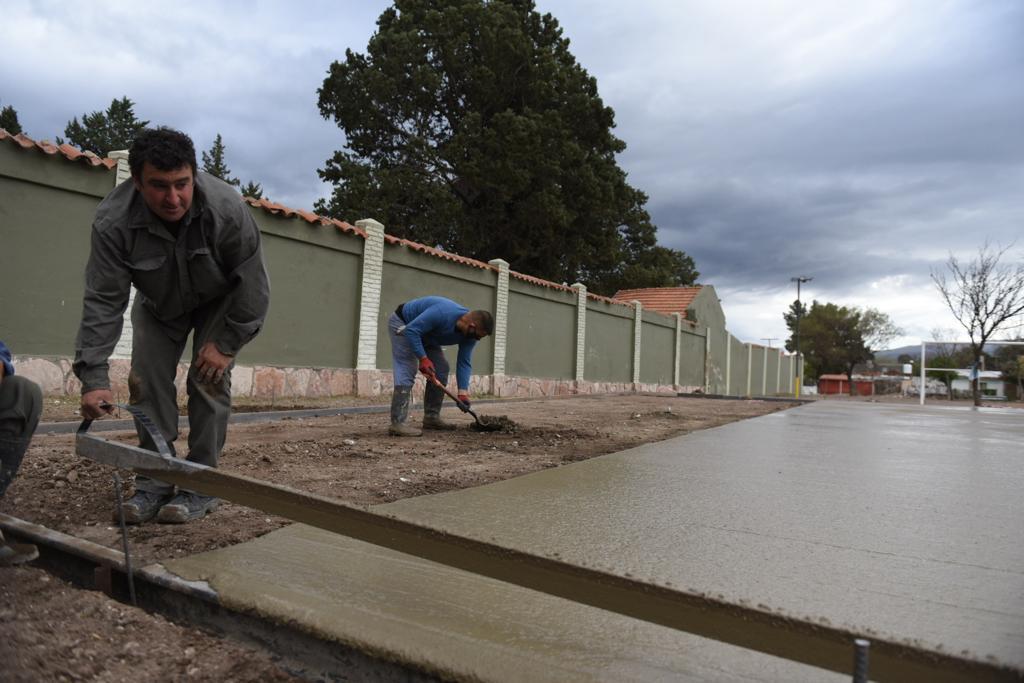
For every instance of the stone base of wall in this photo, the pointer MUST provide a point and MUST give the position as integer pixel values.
(55, 378)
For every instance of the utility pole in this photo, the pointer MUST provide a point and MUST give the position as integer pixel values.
(769, 340)
(799, 280)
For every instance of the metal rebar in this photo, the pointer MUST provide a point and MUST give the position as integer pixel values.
(860, 660)
(124, 539)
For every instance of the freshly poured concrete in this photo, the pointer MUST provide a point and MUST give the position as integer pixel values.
(900, 521)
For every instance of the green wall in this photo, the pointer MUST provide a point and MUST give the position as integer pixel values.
(44, 233)
(757, 377)
(657, 344)
(716, 371)
(691, 357)
(738, 367)
(609, 343)
(315, 276)
(541, 332)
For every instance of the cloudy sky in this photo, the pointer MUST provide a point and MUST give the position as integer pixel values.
(856, 143)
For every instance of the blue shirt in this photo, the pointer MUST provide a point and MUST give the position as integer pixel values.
(5, 358)
(430, 321)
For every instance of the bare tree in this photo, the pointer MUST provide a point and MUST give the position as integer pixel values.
(983, 295)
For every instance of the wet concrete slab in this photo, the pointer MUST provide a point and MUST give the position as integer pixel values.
(898, 521)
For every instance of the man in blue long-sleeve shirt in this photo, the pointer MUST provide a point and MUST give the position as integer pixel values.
(21, 403)
(419, 329)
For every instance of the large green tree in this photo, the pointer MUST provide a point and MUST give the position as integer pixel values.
(9, 120)
(215, 164)
(835, 339)
(105, 132)
(470, 125)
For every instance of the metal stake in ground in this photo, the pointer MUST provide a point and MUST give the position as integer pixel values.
(860, 660)
(124, 539)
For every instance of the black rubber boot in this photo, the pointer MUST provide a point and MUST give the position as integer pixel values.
(433, 397)
(400, 400)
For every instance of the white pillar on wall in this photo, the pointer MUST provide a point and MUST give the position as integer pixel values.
(500, 316)
(679, 339)
(764, 373)
(369, 294)
(790, 389)
(778, 374)
(750, 363)
(638, 321)
(581, 330)
(707, 360)
(728, 363)
(123, 349)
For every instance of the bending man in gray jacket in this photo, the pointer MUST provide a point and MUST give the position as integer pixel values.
(188, 243)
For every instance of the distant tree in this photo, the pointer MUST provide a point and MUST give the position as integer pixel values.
(836, 338)
(104, 132)
(905, 358)
(215, 165)
(798, 311)
(1010, 362)
(9, 120)
(878, 328)
(945, 356)
(983, 295)
(252, 189)
(470, 125)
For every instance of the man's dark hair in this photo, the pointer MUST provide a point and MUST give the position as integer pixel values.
(164, 148)
(484, 321)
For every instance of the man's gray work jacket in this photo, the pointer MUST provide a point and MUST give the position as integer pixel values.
(216, 254)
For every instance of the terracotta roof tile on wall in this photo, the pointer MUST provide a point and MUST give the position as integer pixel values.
(67, 151)
(439, 253)
(312, 218)
(667, 300)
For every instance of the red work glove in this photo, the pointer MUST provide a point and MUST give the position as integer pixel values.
(464, 400)
(427, 367)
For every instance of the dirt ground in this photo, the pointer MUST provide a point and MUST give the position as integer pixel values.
(52, 631)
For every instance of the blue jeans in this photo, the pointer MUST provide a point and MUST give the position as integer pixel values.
(404, 361)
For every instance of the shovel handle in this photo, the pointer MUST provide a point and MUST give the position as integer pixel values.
(462, 406)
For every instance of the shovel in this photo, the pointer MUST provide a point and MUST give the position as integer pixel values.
(485, 425)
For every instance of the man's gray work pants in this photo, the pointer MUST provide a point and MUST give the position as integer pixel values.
(157, 347)
(21, 404)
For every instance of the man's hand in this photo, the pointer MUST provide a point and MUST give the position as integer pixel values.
(464, 400)
(211, 364)
(427, 367)
(97, 403)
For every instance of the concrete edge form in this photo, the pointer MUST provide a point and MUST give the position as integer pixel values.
(95, 567)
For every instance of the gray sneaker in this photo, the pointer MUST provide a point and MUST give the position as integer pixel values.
(187, 506)
(142, 507)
